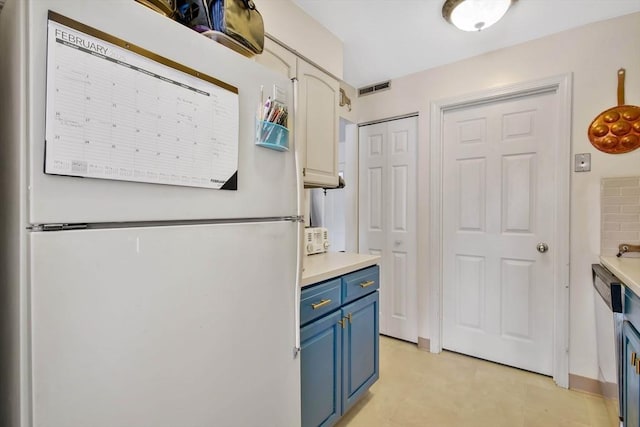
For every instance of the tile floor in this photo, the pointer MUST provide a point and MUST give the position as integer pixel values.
(420, 389)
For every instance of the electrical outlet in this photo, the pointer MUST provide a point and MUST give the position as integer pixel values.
(583, 162)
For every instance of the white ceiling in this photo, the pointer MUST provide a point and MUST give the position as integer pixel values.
(385, 39)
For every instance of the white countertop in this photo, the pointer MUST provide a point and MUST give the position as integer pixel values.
(625, 269)
(319, 267)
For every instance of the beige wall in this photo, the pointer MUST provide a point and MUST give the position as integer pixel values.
(285, 21)
(593, 54)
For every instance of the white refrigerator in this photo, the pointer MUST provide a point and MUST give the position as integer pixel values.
(137, 304)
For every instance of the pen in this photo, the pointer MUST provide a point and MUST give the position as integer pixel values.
(267, 106)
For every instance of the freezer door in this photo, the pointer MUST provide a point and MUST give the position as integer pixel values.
(164, 327)
(266, 178)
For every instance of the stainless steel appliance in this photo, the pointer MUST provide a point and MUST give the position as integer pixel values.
(609, 318)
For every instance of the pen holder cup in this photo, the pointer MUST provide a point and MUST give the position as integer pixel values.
(271, 135)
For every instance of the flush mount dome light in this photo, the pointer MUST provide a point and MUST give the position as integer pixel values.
(474, 15)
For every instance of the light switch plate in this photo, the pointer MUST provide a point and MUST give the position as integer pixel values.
(583, 162)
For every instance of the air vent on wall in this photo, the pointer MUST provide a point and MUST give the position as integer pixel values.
(368, 90)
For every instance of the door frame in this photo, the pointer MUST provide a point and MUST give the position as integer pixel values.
(560, 85)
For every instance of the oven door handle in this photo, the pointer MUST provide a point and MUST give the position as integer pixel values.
(604, 274)
(608, 287)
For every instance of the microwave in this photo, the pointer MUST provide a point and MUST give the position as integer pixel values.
(316, 240)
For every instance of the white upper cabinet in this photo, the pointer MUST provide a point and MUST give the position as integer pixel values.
(316, 114)
(317, 125)
(278, 58)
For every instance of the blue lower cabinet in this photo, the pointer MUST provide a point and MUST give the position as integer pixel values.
(630, 375)
(360, 353)
(321, 371)
(340, 351)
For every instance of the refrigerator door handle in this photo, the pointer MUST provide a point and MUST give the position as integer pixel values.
(300, 214)
(300, 267)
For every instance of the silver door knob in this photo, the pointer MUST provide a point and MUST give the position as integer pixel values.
(542, 247)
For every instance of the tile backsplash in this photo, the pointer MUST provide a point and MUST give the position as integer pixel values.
(620, 213)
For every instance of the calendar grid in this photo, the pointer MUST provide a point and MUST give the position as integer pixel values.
(115, 114)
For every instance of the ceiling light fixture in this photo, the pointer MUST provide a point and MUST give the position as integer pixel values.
(474, 15)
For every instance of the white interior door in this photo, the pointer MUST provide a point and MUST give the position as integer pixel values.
(498, 204)
(165, 326)
(387, 219)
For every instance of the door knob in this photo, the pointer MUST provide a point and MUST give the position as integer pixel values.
(542, 247)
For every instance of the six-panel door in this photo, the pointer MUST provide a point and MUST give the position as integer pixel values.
(387, 194)
(498, 203)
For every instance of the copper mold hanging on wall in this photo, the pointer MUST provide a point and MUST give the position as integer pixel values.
(617, 130)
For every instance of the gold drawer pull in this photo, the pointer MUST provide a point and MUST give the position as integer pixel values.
(322, 303)
(634, 357)
(367, 283)
(637, 366)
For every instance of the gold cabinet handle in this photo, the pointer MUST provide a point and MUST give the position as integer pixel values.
(342, 322)
(322, 303)
(637, 366)
(634, 358)
(367, 283)
(350, 317)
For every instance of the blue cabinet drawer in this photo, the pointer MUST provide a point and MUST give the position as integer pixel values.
(318, 300)
(360, 283)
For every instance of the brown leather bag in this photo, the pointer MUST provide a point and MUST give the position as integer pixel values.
(240, 20)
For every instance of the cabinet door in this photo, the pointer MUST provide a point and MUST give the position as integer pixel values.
(360, 361)
(631, 378)
(317, 125)
(321, 365)
(277, 58)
